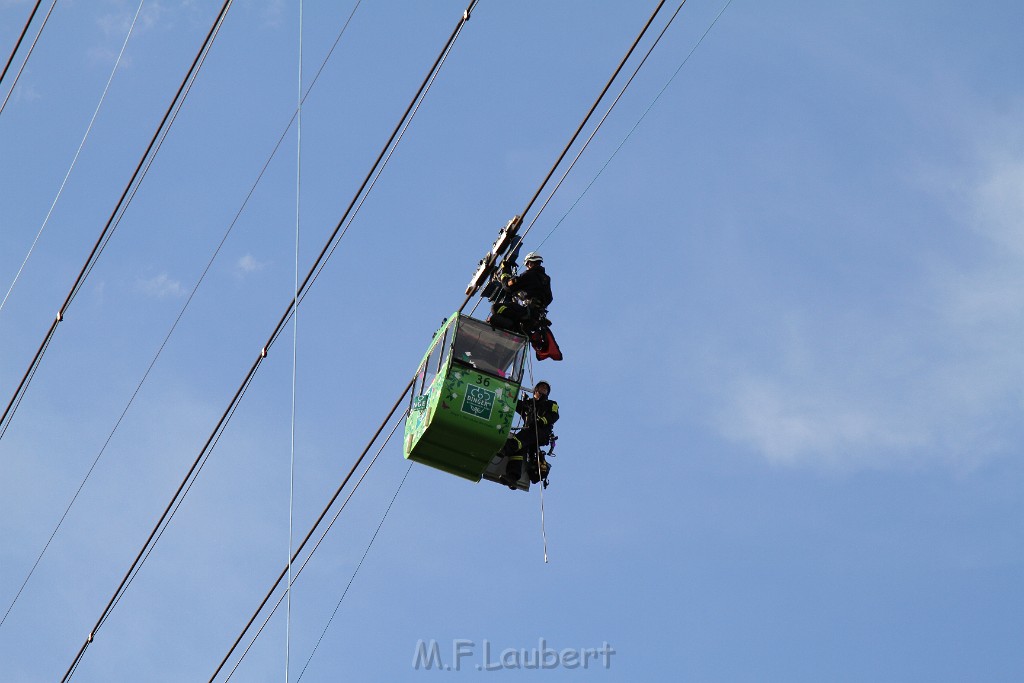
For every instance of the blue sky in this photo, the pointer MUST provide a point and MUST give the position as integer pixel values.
(790, 305)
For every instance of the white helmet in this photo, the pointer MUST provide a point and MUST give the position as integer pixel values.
(533, 257)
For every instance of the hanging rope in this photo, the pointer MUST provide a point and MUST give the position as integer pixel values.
(295, 358)
(543, 531)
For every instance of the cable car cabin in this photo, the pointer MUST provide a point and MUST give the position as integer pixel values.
(464, 399)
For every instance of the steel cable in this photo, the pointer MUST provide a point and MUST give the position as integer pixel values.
(107, 232)
(21, 37)
(286, 316)
(576, 134)
(31, 48)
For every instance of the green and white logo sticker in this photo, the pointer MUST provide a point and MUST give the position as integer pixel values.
(479, 402)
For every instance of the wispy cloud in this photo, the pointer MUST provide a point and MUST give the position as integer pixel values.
(161, 287)
(114, 28)
(932, 377)
(247, 264)
(25, 92)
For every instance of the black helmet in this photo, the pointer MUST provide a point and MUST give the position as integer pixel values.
(547, 387)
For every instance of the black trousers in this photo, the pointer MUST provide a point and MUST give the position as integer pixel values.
(517, 447)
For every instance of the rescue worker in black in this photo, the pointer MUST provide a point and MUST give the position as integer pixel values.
(539, 414)
(526, 297)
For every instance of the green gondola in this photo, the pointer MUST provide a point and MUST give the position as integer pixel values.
(464, 398)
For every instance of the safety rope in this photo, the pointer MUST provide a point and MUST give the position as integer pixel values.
(295, 357)
(543, 530)
(74, 161)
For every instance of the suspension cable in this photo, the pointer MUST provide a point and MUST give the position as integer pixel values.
(177, 320)
(579, 129)
(412, 381)
(21, 37)
(409, 387)
(593, 107)
(122, 205)
(328, 250)
(604, 117)
(286, 316)
(31, 48)
(639, 120)
(74, 160)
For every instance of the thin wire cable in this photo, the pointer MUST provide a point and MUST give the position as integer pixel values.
(295, 359)
(107, 232)
(412, 381)
(205, 451)
(409, 386)
(24, 62)
(593, 107)
(309, 556)
(74, 161)
(356, 571)
(21, 37)
(104, 237)
(174, 325)
(430, 82)
(639, 121)
(164, 528)
(35, 368)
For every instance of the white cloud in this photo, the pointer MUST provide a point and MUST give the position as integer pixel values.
(162, 286)
(935, 376)
(248, 264)
(795, 422)
(24, 92)
(998, 200)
